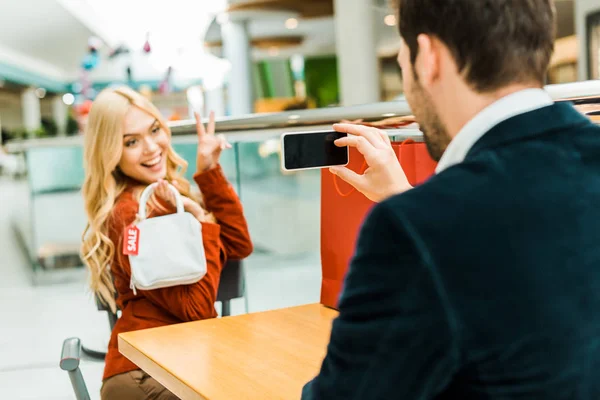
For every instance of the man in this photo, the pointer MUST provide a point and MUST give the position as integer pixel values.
(484, 282)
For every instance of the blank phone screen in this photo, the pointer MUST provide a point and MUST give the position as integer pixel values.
(313, 150)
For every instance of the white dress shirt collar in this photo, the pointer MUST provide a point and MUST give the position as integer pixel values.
(507, 107)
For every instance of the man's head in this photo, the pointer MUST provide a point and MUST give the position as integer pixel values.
(457, 56)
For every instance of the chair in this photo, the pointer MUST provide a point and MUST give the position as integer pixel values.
(112, 320)
(69, 361)
(231, 287)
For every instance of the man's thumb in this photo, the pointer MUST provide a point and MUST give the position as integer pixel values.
(349, 177)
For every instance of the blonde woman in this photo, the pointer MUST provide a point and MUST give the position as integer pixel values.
(128, 146)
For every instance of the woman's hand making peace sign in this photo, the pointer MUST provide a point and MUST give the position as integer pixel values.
(209, 144)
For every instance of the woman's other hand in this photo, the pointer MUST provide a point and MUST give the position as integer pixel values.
(164, 192)
(210, 145)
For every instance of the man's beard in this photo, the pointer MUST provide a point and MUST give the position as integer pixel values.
(434, 132)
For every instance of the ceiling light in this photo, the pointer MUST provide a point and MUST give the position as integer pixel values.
(68, 99)
(291, 23)
(390, 20)
(40, 93)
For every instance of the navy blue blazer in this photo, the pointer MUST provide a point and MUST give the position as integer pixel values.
(484, 282)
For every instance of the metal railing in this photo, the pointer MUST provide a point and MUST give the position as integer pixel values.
(262, 126)
(270, 196)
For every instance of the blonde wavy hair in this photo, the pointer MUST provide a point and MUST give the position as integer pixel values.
(103, 146)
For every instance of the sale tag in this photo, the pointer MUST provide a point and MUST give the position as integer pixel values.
(131, 240)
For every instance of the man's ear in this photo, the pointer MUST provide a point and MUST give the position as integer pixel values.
(427, 64)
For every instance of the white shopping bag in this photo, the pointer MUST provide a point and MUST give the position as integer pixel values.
(164, 251)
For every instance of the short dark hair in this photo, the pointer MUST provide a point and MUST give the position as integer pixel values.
(494, 42)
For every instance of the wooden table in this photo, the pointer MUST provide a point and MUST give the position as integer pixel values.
(266, 355)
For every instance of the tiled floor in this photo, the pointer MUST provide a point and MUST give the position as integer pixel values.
(34, 320)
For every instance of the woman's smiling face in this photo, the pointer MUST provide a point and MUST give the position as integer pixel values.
(145, 145)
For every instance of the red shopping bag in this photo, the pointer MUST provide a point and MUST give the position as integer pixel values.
(343, 210)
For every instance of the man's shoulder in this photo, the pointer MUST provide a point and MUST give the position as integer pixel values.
(492, 183)
(468, 182)
(465, 200)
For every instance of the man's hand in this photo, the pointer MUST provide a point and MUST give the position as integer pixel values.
(384, 176)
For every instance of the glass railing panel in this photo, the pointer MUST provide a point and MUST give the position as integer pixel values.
(283, 214)
(282, 209)
(52, 169)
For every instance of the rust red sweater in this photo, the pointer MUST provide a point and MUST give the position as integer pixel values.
(228, 238)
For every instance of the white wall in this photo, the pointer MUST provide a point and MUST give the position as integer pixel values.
(582, 9)
(188, 67)
(32, 64)
(142, 68)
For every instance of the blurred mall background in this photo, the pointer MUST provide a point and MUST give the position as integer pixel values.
(244, 59)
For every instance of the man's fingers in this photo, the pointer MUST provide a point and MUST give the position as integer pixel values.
(371, 134)
(385, 137)
(199, 126)
(345, 142)
(349, 176)
(361, 144)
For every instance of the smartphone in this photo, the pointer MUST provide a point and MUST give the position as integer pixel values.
(310, 150)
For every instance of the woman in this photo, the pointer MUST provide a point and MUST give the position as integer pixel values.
(127, 147)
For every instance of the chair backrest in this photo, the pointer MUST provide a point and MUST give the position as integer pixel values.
(231, 287)
(232, 281)
(112, 317)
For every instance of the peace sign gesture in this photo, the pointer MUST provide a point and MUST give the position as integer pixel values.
(209, 144)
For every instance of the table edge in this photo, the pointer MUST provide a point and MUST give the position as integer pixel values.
(151, 367)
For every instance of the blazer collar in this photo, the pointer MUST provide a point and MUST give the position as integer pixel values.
(557, 117)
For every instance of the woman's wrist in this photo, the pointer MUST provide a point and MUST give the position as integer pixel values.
(194, 209)
(202, 169)
(199, 216)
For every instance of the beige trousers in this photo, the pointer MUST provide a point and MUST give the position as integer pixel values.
(134, 385)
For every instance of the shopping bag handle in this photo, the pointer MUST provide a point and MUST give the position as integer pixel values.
(353, 189)
(362, 171)
(146, 195)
